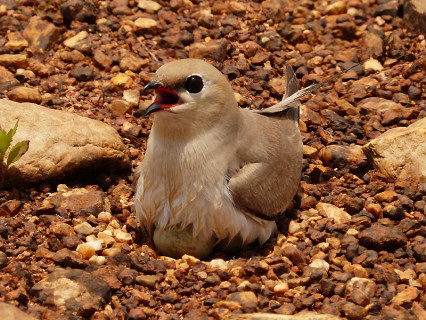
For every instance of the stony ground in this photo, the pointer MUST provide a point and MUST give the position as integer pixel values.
(352, 246)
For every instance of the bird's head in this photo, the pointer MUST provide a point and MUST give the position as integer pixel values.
(190, 87)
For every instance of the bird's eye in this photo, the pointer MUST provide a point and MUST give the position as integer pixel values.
(194, 84)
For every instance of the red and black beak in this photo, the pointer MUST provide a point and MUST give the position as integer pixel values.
(165, 98)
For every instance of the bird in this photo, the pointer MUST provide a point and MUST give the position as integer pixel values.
(213, 171)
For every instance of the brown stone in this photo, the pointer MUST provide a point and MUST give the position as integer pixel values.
(214, 50)
(415, 15)
(41, 33)
(382, 238)
(25, 94)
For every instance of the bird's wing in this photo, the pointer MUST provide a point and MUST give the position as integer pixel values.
(271, 153)
(261, 191)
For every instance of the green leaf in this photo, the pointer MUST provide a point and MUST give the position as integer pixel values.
(6, 138)
(17, 151)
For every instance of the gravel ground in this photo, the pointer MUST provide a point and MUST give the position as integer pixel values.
(353, 245)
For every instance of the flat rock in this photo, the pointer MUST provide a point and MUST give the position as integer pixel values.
(399, 153)
(10, 312)
(73, 290)
(60, 143)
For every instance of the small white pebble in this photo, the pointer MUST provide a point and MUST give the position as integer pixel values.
(85, 250)
(110, 252)
(321, 264)
(104, 216)
(122, 236)
(114, 224)
(281, 287)
(84, 228)
(97, 245)
(97, 260)
(352, 232)
(219, 263)
(190, 260)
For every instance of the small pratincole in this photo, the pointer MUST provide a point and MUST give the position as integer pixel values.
(214, 171)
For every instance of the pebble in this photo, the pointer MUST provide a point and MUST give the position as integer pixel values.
(334, 8)
(96, 244)
(97, 260)
(82, 73)
(147, 280)
(337, 156)
(122, 236)
(386, 196)
(373, 64)
(41, 34)
(414, 92)
(360, 290)
(104, 216)
(331, 211)
(102, 60)
(78, 41)
(85, 250)
(132, 97)
(407, 295)
(61, 229)
(68, 258)
(7, 79)
(281, 288)
(146, 25)
(277, 87)
(25, 94)
(382, 238)
(16, 42)
(320, 264)
(214, 50)
(121, 81)
(149, 6)
(310, 152)
(84, 228)
(353, 311)
(131, 62)
(110, 252)
(246, 299)
(14, 60)
(119, 107)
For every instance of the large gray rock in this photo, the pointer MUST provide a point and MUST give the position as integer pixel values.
(61, 143)
(415, 14)
(9, 312)
(400, 153)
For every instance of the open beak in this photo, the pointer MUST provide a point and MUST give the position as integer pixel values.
(164, 98)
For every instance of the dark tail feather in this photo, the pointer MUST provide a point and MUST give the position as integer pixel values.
(292, 94)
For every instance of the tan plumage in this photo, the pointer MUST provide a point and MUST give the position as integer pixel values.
(212, 166)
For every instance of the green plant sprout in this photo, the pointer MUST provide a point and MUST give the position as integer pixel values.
(17, 151)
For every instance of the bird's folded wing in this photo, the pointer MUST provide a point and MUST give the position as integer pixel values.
(252, 190)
